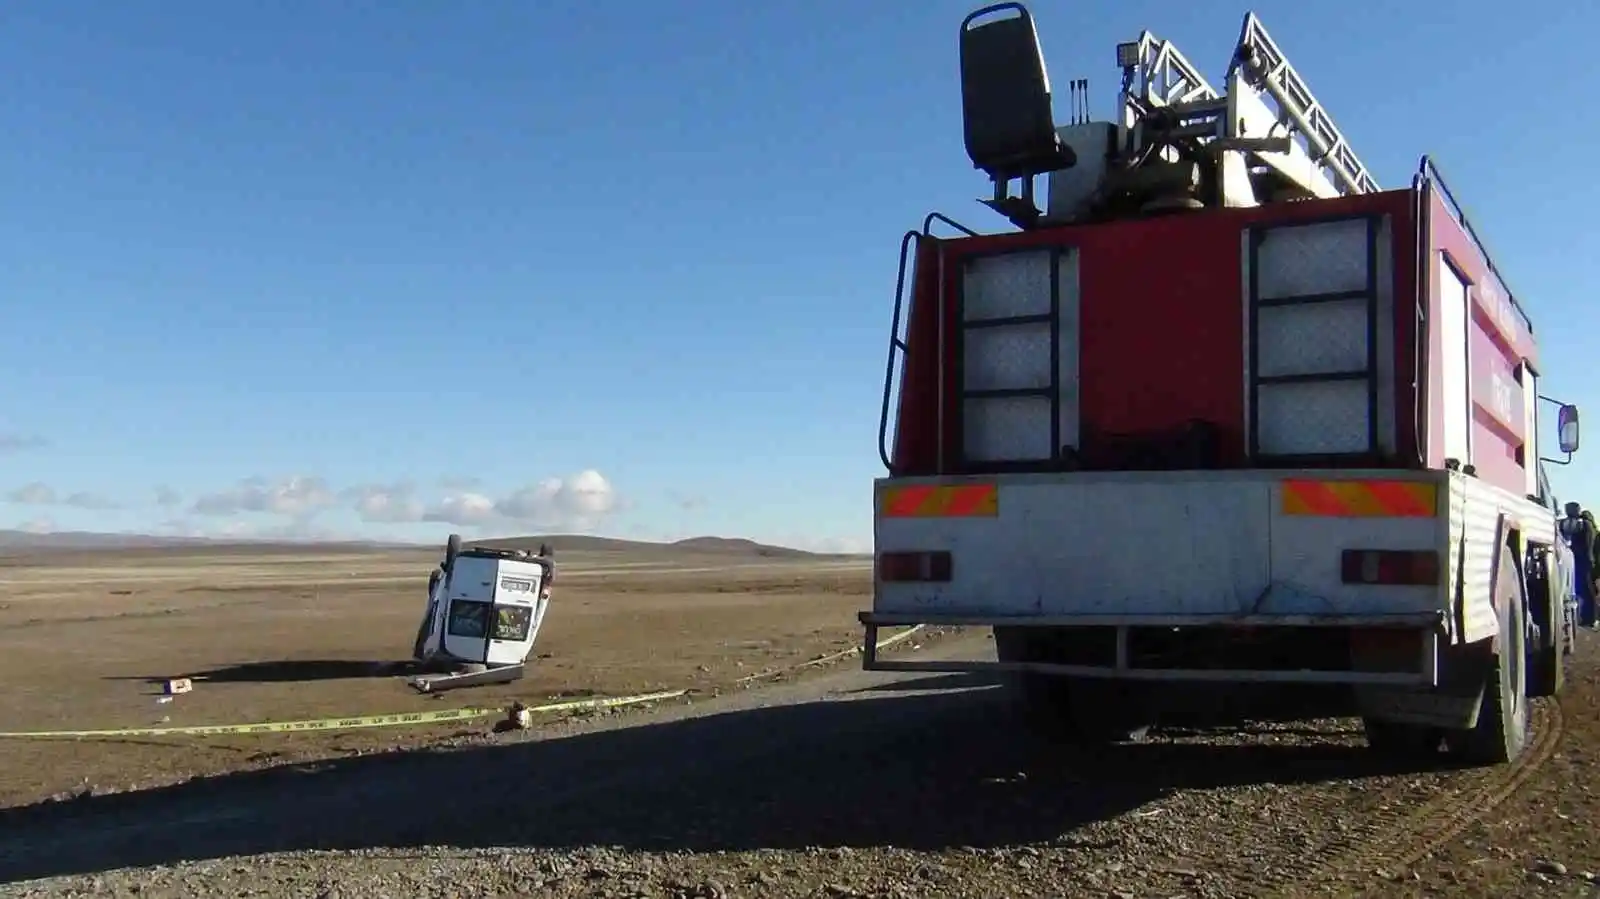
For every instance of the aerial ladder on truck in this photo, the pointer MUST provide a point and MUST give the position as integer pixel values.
(1177, 140)
(1221, 413)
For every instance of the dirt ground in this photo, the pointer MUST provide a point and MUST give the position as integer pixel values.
(837, 783)
(274, 636)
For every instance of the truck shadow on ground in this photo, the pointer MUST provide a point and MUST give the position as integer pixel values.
(285, 671)
(1200, 710)
(917, 771)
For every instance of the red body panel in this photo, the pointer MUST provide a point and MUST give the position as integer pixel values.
(1162, 325)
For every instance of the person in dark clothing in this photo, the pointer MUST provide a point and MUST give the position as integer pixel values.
(1578, 529)
(1592, 618)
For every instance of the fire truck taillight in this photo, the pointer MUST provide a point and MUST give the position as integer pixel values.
(1411, 568)
(913, 567)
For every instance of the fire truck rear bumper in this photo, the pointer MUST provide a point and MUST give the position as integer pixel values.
(1405, 645)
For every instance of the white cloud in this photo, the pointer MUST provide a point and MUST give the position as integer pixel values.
(294, 531)
(85, 500)
(34, 494)
(385, 503)
(167, 498)
(585, 496)
(14, 442)
(297, 496)
(39, 494)
(580, 502)
(38, 526)
(468, 509)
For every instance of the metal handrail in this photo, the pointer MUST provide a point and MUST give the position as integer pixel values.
(1428, 170)
(897, 344)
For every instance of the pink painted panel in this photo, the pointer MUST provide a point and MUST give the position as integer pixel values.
(1497, 413)
(1499, 340)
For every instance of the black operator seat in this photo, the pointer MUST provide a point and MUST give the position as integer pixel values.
(1005, 97)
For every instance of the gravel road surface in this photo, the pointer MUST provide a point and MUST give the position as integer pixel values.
(848, 784)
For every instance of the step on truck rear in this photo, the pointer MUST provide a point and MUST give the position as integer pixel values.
(1222, 411)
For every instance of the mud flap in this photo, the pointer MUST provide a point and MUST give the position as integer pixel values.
(1452, 710)
(1453, 701)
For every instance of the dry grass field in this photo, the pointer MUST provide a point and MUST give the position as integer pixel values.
(274, 633)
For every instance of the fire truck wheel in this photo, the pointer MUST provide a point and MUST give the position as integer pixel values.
(1547, 658)
(1502, 730)
(452, 547)
(1107, 711)
(1090, 710)
(1040, 700)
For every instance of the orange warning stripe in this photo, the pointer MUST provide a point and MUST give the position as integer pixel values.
(1361, 499)
(932, 501)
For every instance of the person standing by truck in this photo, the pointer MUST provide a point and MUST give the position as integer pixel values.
(1590, 617)
(1578, 529)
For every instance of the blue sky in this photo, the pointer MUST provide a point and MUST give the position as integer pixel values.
(620, 266)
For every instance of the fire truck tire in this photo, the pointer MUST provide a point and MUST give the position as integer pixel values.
(1037, 699)
(452, 547)
(1040, 700)
(1088, 710)
(1106, 711)
(1502, 730)
(1547, 659)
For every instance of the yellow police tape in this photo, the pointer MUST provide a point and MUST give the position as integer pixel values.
(395, 720)
(409, 718)
(885, 643)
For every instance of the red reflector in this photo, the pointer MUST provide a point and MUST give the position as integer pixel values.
(1414, 568)
(908, 567)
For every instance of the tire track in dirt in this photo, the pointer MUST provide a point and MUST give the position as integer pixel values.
(1442, 820)
(1398, 833)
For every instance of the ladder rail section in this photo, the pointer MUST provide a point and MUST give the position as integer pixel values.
(1267, 66)
(1165, 77)
(898, 346)
(1162, 78)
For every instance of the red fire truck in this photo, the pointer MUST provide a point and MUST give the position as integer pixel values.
(1218, 409)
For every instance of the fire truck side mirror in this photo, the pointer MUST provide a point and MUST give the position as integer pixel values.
(1567, 428)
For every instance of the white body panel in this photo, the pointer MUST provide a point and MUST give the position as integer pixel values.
(1210, 546)
(1456, 414)
(1152, 543)
(1070, 190)
(1478, 512)
(487, 611)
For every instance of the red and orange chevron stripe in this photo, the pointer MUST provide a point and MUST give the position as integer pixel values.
(940, 501)
(1360, 499)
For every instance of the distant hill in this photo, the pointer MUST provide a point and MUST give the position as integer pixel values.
(738, 546)
(12, 542)
(698, 545)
